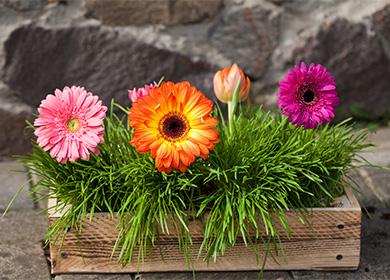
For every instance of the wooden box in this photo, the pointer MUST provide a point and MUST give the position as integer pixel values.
(331, 242)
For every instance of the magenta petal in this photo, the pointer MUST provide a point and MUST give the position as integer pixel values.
(303, 112)
(328, 87)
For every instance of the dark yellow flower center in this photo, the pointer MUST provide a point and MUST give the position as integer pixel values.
(308, 96)
(174, 126)
(73, 124)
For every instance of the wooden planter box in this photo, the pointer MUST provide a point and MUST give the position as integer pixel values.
(331, 242)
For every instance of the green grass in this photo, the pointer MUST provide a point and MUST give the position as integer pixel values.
(264, 168)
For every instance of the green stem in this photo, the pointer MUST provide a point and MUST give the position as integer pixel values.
(232, 105)
(160, 81)
(230, 117)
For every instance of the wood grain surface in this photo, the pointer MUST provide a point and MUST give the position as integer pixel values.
(330, 241)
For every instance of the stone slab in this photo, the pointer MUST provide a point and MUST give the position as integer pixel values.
(376, 181)
(381, 138)
(21, 253)
(380, 153)
(377, 157)
(21, 231)
(10, 182)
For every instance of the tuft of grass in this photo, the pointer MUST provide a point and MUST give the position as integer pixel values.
(266, 166)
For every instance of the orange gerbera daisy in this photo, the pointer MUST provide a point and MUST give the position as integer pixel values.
(174, 123)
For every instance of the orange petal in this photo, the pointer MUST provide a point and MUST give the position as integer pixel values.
(163, 151)
(203, 123)
(190, 148)
(175, 159)
(167, 161)
(182, 168)
(201, 110)
(197, 137)
(204, 151)
(185, 158)
(209, 134)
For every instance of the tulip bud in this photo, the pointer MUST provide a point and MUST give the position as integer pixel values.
(225, 82)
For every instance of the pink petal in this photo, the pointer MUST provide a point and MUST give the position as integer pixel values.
(74, 153)
(54, 151)
(95, 122)
(54, 113)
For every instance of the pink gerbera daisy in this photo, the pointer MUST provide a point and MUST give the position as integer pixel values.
(308, 95)
(70, 124)
(136, 93)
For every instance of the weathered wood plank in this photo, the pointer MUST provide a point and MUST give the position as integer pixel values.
(331, 241)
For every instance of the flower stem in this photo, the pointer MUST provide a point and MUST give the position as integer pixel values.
(232, 105)
(230, 116)
(160, 81)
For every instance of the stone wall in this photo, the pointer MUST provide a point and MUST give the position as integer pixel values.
(109, 46)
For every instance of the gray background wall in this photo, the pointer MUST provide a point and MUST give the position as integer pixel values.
(109, 46)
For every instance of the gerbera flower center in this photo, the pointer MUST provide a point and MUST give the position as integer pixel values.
(174, 126)
(73, 124)
(308, 96)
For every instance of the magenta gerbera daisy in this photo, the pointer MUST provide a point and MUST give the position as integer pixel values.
(70, 124)
(308, 95)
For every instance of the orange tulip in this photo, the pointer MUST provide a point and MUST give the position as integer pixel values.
(225, 82)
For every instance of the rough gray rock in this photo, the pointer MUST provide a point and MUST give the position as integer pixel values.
(381, 22)
(14, 137)
(355, 57)
(203, 81)
(109, 46)
(247, 35)
(140, 12)
(103, 60)
(23, 5)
